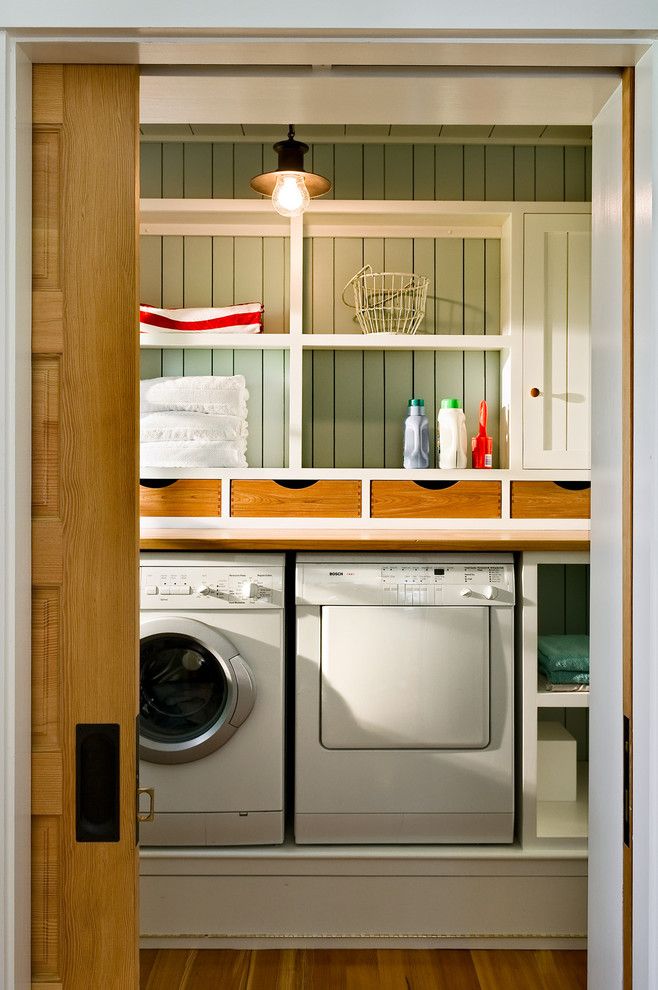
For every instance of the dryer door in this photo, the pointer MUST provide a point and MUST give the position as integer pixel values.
(195, 690)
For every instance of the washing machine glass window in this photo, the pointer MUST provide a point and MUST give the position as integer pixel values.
(183, 690)
(195, 690)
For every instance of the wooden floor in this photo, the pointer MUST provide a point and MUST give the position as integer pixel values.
(368, 969)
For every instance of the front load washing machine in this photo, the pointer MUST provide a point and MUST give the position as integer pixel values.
(211, 721)
(404, 699)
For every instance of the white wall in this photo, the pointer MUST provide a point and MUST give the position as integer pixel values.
(645, 554)
(588, 16)
(605, 746)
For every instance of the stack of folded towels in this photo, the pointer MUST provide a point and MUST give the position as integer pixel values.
(196, 421)
(564, 663)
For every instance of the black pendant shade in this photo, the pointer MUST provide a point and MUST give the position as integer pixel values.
(290, 159)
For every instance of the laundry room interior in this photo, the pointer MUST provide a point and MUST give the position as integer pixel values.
(365, 499)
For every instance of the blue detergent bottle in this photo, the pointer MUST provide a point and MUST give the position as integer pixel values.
(416, 436)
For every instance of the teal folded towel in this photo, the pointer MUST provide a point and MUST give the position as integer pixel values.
(563, 676)
(560, 653)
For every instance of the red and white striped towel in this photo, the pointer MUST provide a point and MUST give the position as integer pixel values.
(246, 318)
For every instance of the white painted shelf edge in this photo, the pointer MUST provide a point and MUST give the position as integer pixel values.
(367, 474)
(328, 341)
(562, 699)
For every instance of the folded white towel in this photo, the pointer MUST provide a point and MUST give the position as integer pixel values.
(217, 395)
(161, 425)
(194, 453)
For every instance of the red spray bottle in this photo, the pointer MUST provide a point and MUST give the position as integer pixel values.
(482, 445)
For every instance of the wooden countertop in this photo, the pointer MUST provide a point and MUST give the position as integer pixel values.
(366, 540)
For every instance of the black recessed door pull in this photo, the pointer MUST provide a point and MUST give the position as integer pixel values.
(97, 782)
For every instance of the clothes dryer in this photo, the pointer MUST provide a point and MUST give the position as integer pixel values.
(404, 699)
(211, 722)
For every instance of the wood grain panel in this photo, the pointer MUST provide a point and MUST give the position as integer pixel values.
(46, 632)
(47, 322)
(462, 541)
(46, 898)
(46, 783)
(322, 499)
(46, 384)
(47, 551)
(48, 95)
(186, 497)
(462, 500)
(546, 500)
(46, 193)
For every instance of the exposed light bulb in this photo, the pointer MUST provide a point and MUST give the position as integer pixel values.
(290, 197)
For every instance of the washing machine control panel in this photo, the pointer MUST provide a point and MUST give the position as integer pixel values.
(197, 588)
(435, 583)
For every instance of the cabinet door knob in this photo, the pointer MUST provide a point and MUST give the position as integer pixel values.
(534, 392)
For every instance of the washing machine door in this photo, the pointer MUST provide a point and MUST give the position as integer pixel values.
(195, 690)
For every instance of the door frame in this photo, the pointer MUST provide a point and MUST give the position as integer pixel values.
(15, 294)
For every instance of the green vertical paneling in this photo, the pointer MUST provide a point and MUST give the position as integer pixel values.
(322, 158)
(449, 376)
(248, 270)
(197, 171)
(549, 173)
(398, 389)
(373, 171)
(173, 361)
(323, 285)
(307, 409)
(524, 173)
(271, 159)
(150, 364)
(423, 262)
(474, 171)
(323, 409)
(373, 253)
(275, 317)
(474, 278)
(373, 409)
(348, 171)
(250, 364)
(574, 174)
(398, 171)
(273, 399)
(222, 362)
(197, 361)
(222, 271)
(424, 174)
(150, 170)
(449, 182)
(499, 172)
(398, 254)
(449, 285)
(348, 408)
(424, 384)
(492, 395)
(222, 171)
(247, 162)
(172, 170)
(173, 285)
(492, 286)
(150, 271)
(307, 300)
(348, 260)
(588, 173)
(550, 595)
(197, 271)
(576, 618)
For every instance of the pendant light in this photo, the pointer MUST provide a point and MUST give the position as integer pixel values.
(289, 185)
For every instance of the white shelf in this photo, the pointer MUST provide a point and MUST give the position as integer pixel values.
(368, 474)
(407, 342)
(565, 819)
(215, 341)
(562, 699)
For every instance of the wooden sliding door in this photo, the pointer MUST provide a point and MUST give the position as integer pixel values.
(85, 527)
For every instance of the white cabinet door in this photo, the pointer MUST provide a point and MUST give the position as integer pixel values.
(556, 341)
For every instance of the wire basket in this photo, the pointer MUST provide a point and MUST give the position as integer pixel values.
(388, 302)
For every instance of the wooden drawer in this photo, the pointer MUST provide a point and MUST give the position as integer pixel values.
(322, 499)
(435, 499)
(186, 497)
(550, 499)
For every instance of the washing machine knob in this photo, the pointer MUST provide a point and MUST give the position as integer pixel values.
(203, 589)
(248, 589)
(466, 592)
(490, 592)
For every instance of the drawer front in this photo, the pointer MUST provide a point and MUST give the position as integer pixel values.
(550, 500)
(322, 499)
(186, 497)
(457, 500)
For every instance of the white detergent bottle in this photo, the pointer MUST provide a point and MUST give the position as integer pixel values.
(452, 435)
(416, 436)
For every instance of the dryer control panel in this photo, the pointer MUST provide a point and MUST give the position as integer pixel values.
(406, 583)
(196, 588)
